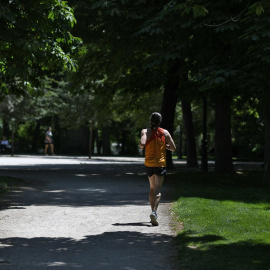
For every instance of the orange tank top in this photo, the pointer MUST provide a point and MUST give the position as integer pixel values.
(155, 149)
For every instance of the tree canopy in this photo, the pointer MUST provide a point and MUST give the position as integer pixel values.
(36, 39)
(134, 57)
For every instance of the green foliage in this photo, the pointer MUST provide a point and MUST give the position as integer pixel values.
(61, 10)
(247, 128)
(258, 7)
(122, 63)
(35, 39)
(188, 7)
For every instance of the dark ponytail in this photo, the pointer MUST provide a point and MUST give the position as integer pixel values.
(155, 119)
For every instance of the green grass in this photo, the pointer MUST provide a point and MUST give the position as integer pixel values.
(7, 183)
(223, 221)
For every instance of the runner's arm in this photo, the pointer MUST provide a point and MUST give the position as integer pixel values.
(170, 145)
(143, 138)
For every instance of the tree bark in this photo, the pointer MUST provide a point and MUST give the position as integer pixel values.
(91, 130)
(35, 137)
(180, 145)
(12, 142)
(123, 141)
(94, 139)
(6, 131)
(169, 102)
(223, 140)
(106, 144)
(98, 143)
(192, 160)
(204, 162)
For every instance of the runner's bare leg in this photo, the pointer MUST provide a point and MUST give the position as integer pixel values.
(152, 191)
(156, 183)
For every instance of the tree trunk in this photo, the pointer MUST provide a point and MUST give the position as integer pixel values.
(223, 140)
(106, 144)
(12, 143)
(94, 139)
(35, 136)
(91, 130)
(266, 175)
(123, 141)
(192, 160)
(6, 131)
(98, 143)
(180, 145)
(204, 164)
(169, 102)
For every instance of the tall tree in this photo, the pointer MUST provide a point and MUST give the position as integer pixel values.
(256, 36)
(217, 66)
(223, 141)
(190, 136)
(170, 99)
(136, 46)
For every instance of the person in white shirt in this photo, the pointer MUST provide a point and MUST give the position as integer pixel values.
(49, 141)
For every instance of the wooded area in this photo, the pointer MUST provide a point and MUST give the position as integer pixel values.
(102, 67)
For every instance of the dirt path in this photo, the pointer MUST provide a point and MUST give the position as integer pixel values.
(79, 214)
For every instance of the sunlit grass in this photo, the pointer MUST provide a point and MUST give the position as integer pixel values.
(225, 221)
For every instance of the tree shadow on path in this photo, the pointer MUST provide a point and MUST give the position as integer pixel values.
(108, 251)
(92, 185)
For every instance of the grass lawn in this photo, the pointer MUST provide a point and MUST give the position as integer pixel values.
(6, 183)
(223, 221)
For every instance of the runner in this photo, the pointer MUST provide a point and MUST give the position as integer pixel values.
(155, 140)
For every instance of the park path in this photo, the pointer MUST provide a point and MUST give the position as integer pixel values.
(75, 213)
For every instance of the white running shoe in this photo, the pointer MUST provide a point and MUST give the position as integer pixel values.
(153, 218)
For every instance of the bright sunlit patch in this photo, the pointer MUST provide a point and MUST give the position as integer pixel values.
(54, 191)
(56, 264)
(93, 190)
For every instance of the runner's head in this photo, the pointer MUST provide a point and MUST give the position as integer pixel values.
(155, 119)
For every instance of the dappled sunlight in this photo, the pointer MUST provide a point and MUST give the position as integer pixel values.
(81, 215)
(109, 250)
(58, 162)
(95, 190)
(55, 191)
(80, 196)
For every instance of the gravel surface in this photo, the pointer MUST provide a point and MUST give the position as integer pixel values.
(76, 213)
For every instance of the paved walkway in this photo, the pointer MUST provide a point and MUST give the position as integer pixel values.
(76, 213)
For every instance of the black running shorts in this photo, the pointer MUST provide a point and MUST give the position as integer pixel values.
(159, 171)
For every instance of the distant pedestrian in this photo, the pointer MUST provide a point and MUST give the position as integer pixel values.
(155, 140)
(49, 141)
(4, 144)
